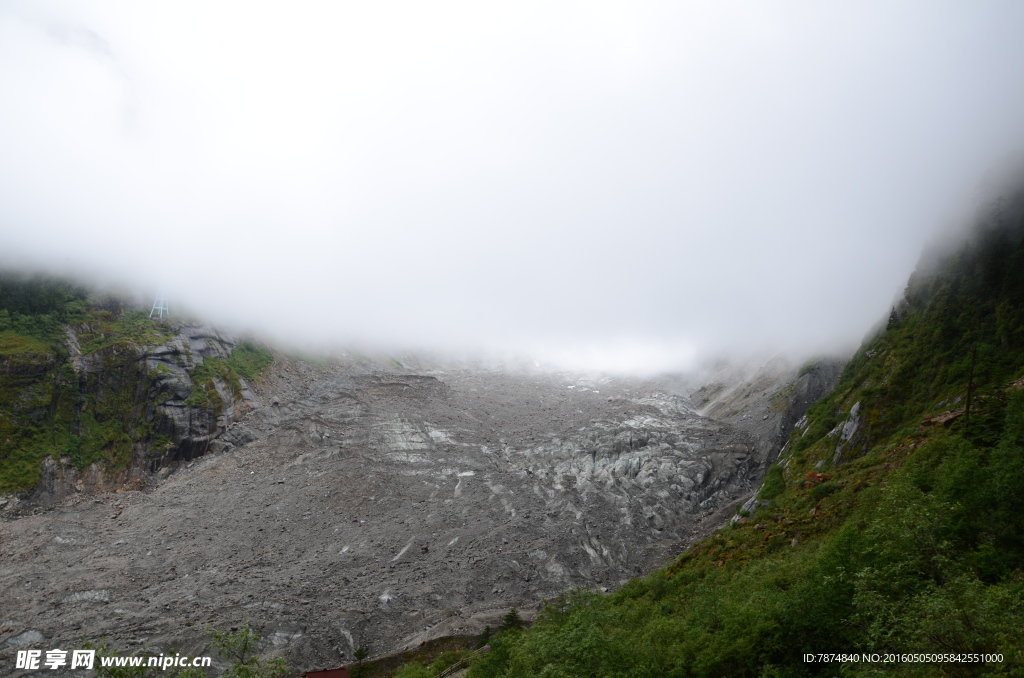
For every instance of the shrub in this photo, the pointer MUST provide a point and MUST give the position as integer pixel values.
(773, 485)
(822, 490)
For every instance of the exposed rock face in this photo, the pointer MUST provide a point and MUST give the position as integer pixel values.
(362, 506)
(767, 400)
(192, 429)
(149, 392)
(847, 431)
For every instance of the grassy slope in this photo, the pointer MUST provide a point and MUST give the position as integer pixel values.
(96, 416)
(911, 542)
(36, 383)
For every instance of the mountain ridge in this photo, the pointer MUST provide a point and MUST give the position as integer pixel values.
(890, 525)
(357, 503)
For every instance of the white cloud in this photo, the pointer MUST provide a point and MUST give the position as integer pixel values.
(577, 176)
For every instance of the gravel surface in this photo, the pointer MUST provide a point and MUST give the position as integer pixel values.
(378, 507)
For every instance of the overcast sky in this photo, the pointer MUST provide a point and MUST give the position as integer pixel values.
(615, 183)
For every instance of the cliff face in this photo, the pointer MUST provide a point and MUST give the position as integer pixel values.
(767, 400)
(194, 406)
(176, 411)
(363, 505)
(892, 519)
(380, 508)
(109, 398)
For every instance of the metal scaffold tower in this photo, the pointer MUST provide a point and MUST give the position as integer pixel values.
(160, 306)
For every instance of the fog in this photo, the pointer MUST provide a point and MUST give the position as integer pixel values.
(599, 184)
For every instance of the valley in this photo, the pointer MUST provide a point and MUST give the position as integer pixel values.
(360, 503)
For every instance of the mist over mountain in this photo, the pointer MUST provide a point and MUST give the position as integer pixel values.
(405, 503)
(627, 185)
(891, 518)
(689, 336)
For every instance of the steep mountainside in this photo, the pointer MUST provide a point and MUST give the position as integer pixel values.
(766, 399)
(380, 508)
(94, 394)
(891, 530)
(363, 503)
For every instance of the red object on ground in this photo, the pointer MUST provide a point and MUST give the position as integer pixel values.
(327, 673)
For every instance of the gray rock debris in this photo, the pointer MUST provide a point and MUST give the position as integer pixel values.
(379, 507)
(30, 637)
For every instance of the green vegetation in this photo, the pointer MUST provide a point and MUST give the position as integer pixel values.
(446, 660)
(418, 659)
(807, 368)
(236, 648)
(511, 620)
(360, 669)
(98, 407)
(131, 328)
(895, 534)
(774, 485)
(37, 306)
(780, 400)
(46, 407)
(246, 360)
(12, 344)
(249, 359)
(822, 420)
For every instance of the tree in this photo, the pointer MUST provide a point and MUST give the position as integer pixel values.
(101, 671)
(485, 638)
(359, 669)
(512, 620)
(239, 647)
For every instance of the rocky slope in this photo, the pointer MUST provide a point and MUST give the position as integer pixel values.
(361, 505)
(121, 409)
(895, 518)
(766, 399)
